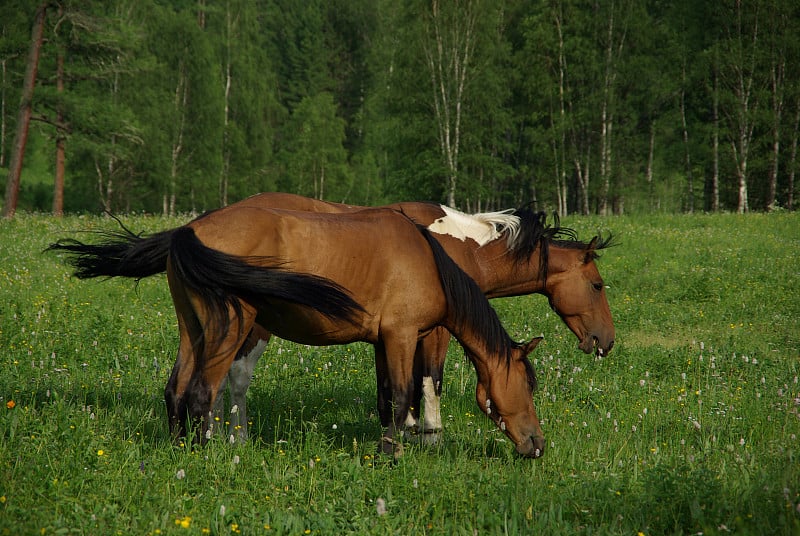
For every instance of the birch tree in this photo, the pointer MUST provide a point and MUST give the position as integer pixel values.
(742, 84)
(449, 46)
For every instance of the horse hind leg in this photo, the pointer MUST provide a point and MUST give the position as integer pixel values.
(219, 357)
(202, 364)
(395, 378)
(239, 377)
(412, 421)
(186, 363)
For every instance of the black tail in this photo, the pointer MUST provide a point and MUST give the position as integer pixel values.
(467, 304)
(119, 254)
(221, 280)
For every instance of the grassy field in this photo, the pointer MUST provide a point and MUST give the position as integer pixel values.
(689, 426)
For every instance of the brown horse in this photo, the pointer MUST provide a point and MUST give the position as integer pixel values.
(506, 253)
(377, 277)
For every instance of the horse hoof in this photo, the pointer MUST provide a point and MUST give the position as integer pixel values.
(431, 437)
(391, 447)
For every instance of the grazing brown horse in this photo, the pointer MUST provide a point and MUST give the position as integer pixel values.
(506, 253)
(323, 279)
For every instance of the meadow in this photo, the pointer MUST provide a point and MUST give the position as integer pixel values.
(689, 426)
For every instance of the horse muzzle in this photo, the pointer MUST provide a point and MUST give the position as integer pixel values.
(592, 343)
(533, 447)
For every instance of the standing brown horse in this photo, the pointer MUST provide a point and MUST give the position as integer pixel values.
(506, 253)
(377, 277)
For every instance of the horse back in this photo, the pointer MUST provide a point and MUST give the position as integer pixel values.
(376, 254)
(420, 212)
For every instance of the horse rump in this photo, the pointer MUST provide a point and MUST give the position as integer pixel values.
(221, 280)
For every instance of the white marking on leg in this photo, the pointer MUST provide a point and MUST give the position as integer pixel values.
(239, 378)
(433, 412)
(410, 422)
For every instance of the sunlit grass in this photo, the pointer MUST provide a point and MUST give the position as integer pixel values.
(690, 425)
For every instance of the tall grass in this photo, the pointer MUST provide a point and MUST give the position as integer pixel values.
(690, 425)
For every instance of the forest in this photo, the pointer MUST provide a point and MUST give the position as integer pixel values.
(576, 106)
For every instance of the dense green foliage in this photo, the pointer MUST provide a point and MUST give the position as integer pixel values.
(690, 425)
(606, 106)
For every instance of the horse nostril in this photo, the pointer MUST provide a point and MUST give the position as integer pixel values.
(538, 446)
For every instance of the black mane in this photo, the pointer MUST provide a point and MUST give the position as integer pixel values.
(534, 231)
(467, 304)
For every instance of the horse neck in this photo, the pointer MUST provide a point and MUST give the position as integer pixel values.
(482, 357)
(502, 275)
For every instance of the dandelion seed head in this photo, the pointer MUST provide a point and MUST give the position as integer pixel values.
(380, 506)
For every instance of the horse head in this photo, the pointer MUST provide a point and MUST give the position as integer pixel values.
(577, 293)
(505, 392)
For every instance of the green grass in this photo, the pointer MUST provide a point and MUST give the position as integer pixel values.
(690, 425)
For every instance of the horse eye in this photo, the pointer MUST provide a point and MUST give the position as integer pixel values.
(597, 286)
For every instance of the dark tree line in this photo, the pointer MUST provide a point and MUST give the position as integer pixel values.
(583, 106)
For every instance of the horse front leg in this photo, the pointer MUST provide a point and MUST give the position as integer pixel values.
(394, 370)
(434, 348)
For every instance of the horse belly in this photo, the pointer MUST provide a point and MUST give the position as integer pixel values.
(306, 326)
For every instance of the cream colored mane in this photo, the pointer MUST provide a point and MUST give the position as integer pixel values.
(483, 227)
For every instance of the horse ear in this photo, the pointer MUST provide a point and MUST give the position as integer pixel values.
(529, 346)
(591, 250)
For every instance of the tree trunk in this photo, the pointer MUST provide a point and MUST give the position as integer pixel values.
(181, 98)
(24, 114)
(583, 181)
(3, 70)
(226, 157)
(58, 186)
(606, 115)
(561, 152)
(776, 83)
(792, 164)
(741, 77)
(686, 151)
(715, 146)
(448, 55)
(650, 162)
